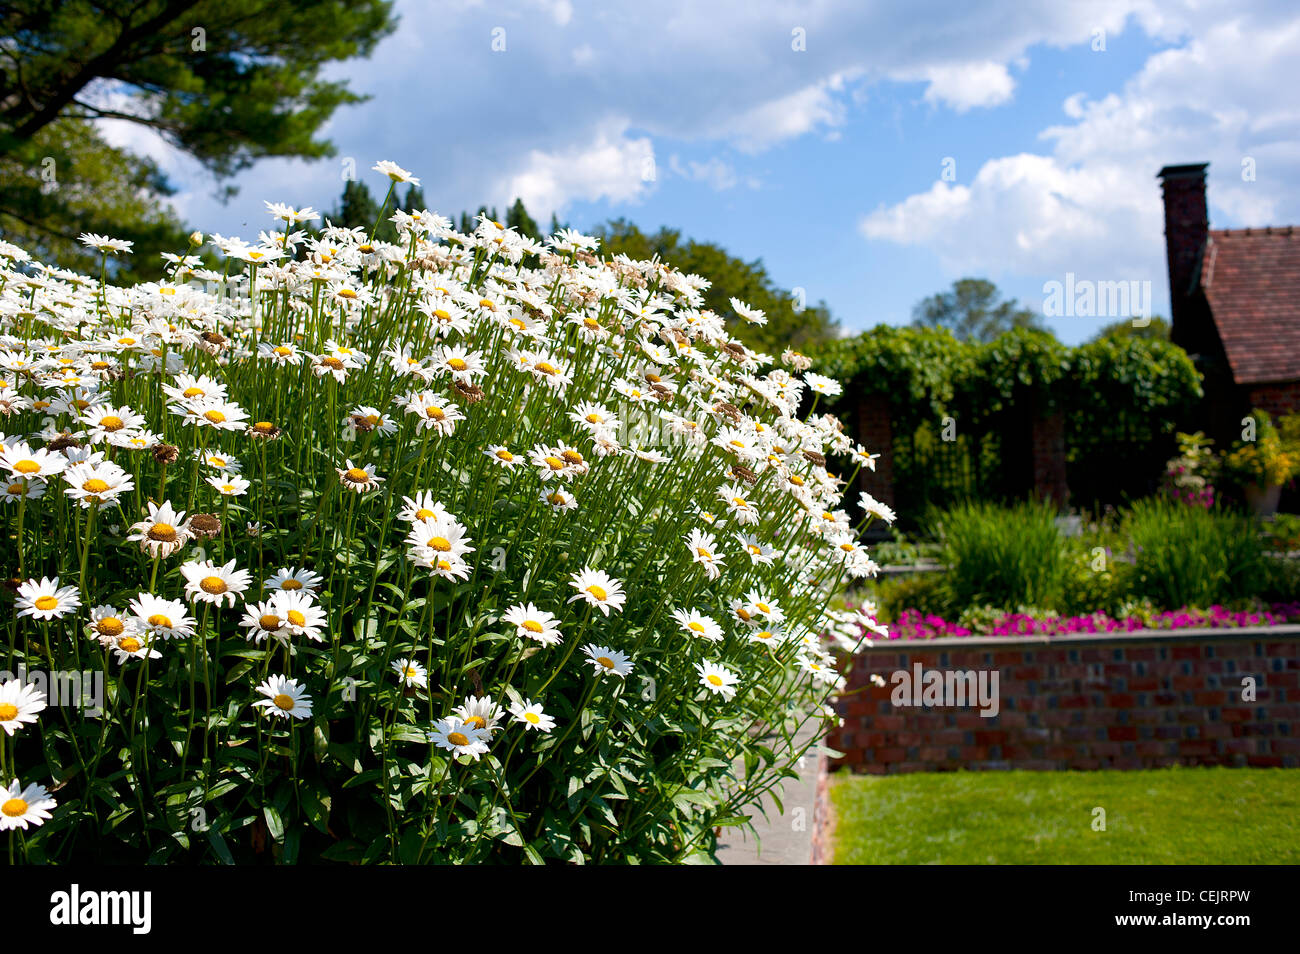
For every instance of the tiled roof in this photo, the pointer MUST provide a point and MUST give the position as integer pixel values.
(1251, 279)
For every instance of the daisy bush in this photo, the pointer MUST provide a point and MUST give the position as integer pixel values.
(463, 549)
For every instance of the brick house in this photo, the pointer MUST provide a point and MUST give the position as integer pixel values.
(1235, 302)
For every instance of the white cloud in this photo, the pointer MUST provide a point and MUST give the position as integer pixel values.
(611, 167)
(715, 173)
(964, 86)
(1091, 202)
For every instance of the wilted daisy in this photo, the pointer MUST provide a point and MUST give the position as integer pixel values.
(285, 699)
(412, 673)
(357, 478)
(598, 589)
(606, 661)
(169, 619)
(206, 582)
(46, 600)
(19, 704)
(162, 532)
(531, 715)
(20, 807)
(455, 736)
(717, 678)
(535, 624)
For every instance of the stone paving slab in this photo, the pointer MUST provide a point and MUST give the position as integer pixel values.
(785, 839)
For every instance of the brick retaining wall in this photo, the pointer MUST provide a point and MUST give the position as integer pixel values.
(1136, 700)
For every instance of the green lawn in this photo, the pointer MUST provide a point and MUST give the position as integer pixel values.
(1157, 816)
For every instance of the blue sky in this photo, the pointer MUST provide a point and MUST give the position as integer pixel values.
(826, 161)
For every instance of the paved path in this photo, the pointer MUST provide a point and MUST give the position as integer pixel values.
(786, 839)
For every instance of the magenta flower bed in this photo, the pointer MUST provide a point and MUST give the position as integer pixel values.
(913, 624)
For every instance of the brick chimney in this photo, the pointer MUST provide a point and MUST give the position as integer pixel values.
(1186, 226)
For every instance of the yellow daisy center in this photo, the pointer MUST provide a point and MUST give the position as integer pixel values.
(598, 592)
(435, 413)
(14, 808)
(27, 467)
(162, 532)
(110, 626)
(283, 701)
(95, 486)
(45, 603)
(477, 721)
(458, 738)
(160, 621)
(129, 645)
(505, 455)
(695, 626)
(555, 463)
(296, 618)
(533, 717)
(441, 544)
(216, 417)
(545, 367)
(111, 422)
(714, 679)
(191, 392)
(17, 489)
(291, 585)
(270, 622)
(214, 585)
(605, 661)
(357, 475)
(533, 626)
(457, 364)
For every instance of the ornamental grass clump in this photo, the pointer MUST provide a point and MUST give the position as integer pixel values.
(468, 548)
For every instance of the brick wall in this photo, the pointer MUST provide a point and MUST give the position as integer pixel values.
(1139, 700)
(1047, 435)
(876, 434)
(1277, 399)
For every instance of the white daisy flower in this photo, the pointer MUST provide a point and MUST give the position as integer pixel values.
(413, 674)
(209, 583)
(46, 600)
(532, 717)
(20, 807)
(455, 736)
(599, 589)
(606, 661)
(285, 698)
(19, 704)
(717, 678)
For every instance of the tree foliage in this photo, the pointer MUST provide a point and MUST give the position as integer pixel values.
(791, 323)
(974, 310)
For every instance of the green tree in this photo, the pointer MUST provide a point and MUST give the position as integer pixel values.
(1157, 330)
(517, 218)
(974, 310)
(68, 181)
(791, 322)
(226, 81)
